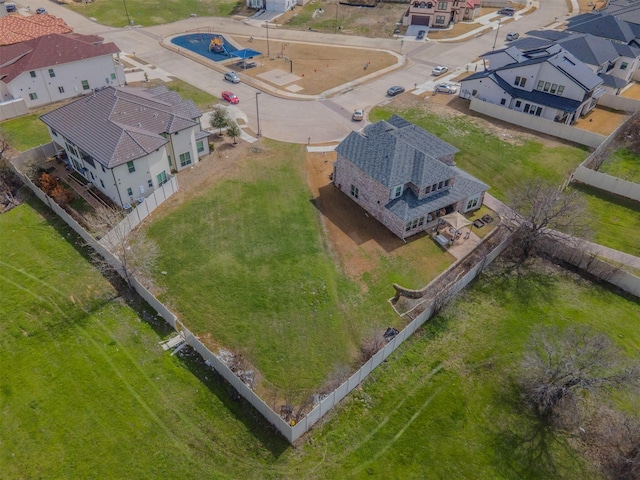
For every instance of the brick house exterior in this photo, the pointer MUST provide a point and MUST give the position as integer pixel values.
(404, 176)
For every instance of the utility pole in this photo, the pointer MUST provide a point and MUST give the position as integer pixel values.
(497, 31)
(267, 25)
(127, 12)
(258, 114)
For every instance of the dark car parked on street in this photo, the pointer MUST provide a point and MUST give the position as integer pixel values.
(506, 11)
(393, 91)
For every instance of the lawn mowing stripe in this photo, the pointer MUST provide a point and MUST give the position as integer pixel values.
(42, 282)
(390, 443)
(391, 412)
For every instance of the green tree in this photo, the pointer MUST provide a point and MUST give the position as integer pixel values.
(233, 130)
(219, 118)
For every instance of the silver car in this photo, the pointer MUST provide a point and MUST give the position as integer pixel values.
(232, 77)
(439, 70)
(446, 88)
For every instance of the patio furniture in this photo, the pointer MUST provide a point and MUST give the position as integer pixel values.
(442, 240)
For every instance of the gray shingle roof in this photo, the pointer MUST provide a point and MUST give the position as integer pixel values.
(606, 26)
(396, 152)
(118, 125)
(408, 206)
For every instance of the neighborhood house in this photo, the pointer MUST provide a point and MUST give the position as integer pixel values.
(404, 176)
(127, 141)
(547, 82)
(55, 67)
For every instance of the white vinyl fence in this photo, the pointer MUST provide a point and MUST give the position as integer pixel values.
(290, 432)
(549, 127)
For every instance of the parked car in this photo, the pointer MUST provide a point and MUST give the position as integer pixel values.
(446, 88)
(439, 70)
(41, 10)
(358, 115)
(230, 97)
(11, 7)
(506, 11)
(512, 36)
(232, 77)
(393, 91)
(420, 35)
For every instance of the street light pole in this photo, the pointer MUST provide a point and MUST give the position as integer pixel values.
(267, 25)
(127, 12)
(497, 31)
(258, 114)
(335, 30)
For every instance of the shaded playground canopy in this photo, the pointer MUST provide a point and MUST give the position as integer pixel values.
(245, 54)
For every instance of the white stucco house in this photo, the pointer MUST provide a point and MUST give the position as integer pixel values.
(56, 67)
(547, 82)
(128, 141)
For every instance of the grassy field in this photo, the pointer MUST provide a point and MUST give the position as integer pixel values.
(249, 269)
(623, 163)
(26, 132)
(86, 392)
(152, 12)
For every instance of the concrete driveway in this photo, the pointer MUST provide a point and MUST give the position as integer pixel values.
(302, 121)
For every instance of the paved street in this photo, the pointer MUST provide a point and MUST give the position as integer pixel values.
(317, 120)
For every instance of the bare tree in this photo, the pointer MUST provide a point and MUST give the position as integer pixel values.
(9, 181)
(219, 118)
(136, 253)
(541, 211)
(612, 439)
(233, 130)
(560, 366)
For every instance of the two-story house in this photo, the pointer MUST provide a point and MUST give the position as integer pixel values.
(404, 176)
(614, 62)
(547, 82)
(439, 13)
(55, 67)
(126, 141)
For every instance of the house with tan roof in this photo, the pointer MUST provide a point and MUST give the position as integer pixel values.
(128, 141)
(20, 28)
(56, 67)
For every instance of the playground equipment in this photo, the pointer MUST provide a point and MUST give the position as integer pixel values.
(217, 45)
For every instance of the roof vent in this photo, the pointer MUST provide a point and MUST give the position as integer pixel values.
(139, 124)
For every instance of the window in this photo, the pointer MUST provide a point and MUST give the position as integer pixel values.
(440, 18)
(540, 85)
(130, 192)
(162, 178)
(131, 167)
(440, 185)
(200, 146)
(102, 183)
(170, 162)
(503, 101)
(526, 108)
(150, 183)
(446, 182)
(89, 161)
(560, 89)
(61, 89)
(538, 111)
(547, 86)
(113, 76)
(52, 74)
(554, 88)
(185, 159)
(474, 92)
(355, 192)
(397, 191)
(442, 5)
(434, 187)
(428, 189)
(624, 65)
(520, 81)
(472, 203)
(102, 166)
(33, 74)
(33, 96)
(518, 103)
(421, 221)
(85, 85)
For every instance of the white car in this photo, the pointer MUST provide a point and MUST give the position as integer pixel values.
(446, 88)
(439, 70)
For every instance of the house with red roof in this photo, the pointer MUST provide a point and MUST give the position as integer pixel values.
(55, 67)
(20, 28)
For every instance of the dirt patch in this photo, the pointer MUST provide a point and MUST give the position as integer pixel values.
(602, 120)
(318, 68)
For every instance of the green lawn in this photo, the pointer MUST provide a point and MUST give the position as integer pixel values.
(248, 265)
(26, 132)
(152, 12)
(623, 163)
(502, 165)
(86, 391)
